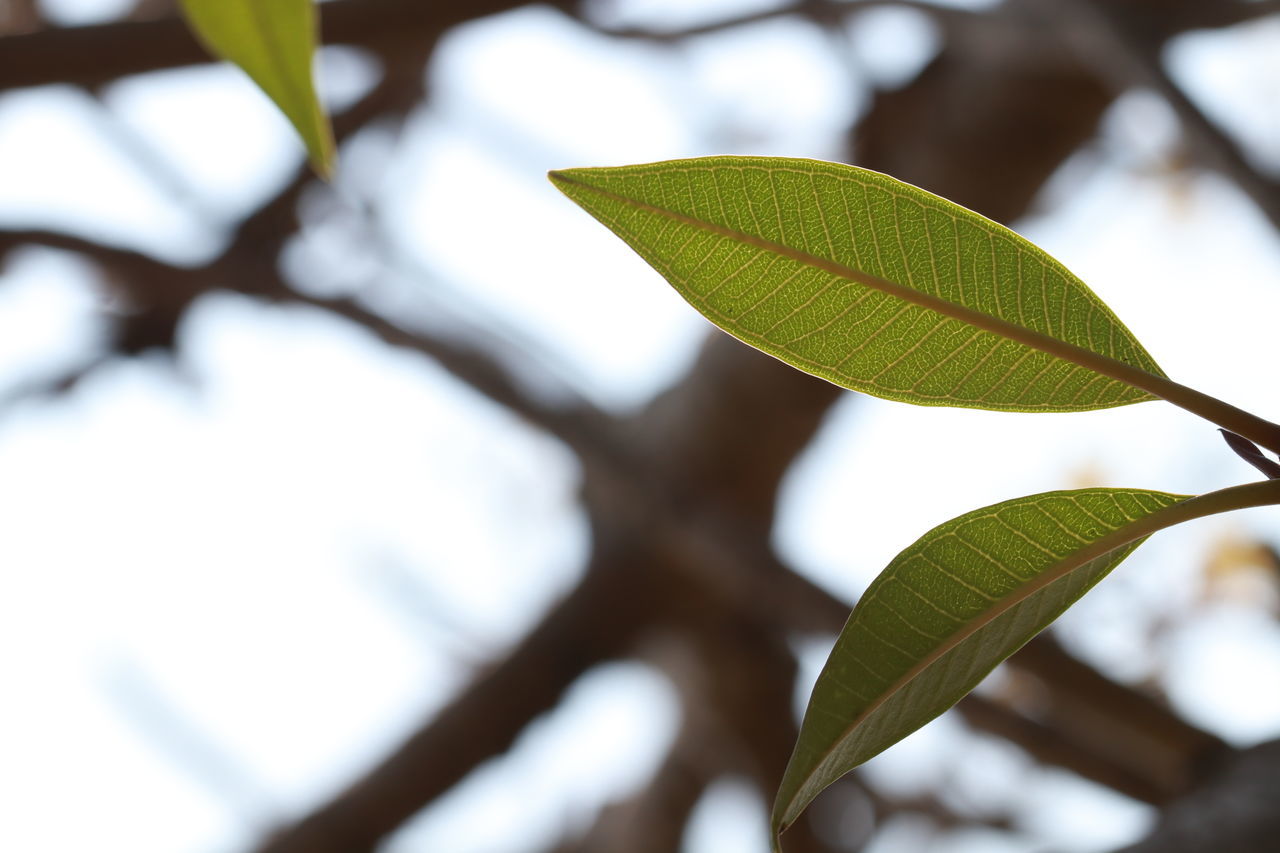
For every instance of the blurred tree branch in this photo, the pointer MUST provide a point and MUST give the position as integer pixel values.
(1124, 47)
(1233, 809)
(92, 56)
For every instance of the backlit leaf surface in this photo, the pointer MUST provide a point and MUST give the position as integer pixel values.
(273, 41)
(946, 611)
(868, 282)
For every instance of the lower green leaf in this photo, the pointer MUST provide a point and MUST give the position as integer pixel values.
(959, 601)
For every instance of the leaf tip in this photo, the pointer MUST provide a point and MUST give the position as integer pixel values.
(324, 162)
(315, 132)
(778, 824)
(563, 177)
(571, 183)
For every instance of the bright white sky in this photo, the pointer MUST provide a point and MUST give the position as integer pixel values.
(223, 595)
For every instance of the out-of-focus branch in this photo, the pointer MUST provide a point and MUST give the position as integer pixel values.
(126, 262)
(653, 819)
(51, 385)
(735, 673)
(1047, 745)
(581, 425)
(260, 236)
(154, 295)
(939, 813)
(257, 239)
(1232, 811)
(1128, 728)
(94, 55)
(1126, 49)
(824, 12)
(599, 620)
(740, 672)
(20, 16)
(1195, 15)
(149, 279)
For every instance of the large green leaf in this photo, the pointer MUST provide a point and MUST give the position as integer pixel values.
(273, 41)
(963, 598)
(871, 283)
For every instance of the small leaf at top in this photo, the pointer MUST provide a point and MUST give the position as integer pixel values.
(960, 600)
(273, 41)
(871, 283)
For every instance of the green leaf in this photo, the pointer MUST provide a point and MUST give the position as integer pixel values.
(963, 598)
(273, 41)
(871, 283)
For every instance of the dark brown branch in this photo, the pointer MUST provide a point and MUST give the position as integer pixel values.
(148, 279)
(1048, 745)
(1232, 811)
(126, 262)
(581, 426)
(1128, 728)
(599, 620)
(260, 236)
(653, 820)
(20, 16)
(1126, 48)
(746, 680)
(95, 55)
(51, 385)
(824, 12)
(1196, 15)
(936, 811)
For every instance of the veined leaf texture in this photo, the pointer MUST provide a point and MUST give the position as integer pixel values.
(868, 282)
(945, 612)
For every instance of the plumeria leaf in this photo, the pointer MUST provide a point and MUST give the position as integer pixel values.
(871, 283)
(274, 42)
(959, 601)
